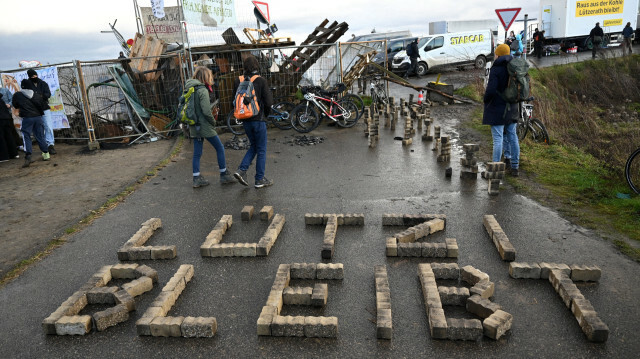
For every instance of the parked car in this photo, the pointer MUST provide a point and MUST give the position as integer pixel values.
(452, 49)
(393, 47)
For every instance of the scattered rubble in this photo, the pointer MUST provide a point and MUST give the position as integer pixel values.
(237, 143)
(305, 140)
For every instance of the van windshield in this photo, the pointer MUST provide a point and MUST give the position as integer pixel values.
(423, 41)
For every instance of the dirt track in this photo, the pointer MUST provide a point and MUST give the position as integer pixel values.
(37, 203)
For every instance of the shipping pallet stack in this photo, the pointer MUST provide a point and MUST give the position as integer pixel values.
(469, 164)
(494, 173)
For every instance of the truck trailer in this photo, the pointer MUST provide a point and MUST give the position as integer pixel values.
(569, 22)
(443, 27)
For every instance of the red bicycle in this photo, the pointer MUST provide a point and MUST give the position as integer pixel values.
(305, 118)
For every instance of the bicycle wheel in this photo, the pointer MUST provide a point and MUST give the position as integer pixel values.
(538, 131)
(304, 118)
(234, 125)
(521, 129)
(347, 113)
(281, 115)
(632, 171)
(357, 100)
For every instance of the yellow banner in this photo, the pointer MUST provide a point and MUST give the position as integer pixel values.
(614, 22)
(599, 7)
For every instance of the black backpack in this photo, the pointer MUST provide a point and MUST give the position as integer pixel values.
(39, 101)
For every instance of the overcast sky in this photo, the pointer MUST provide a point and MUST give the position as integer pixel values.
(60, 31)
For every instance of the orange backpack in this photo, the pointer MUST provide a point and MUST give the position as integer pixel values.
(245, 104)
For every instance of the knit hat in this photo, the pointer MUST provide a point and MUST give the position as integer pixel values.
(31, 73)
(502, 50)
(25, 84)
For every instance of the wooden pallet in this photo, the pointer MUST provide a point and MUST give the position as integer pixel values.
(149, 48)
(356, 70)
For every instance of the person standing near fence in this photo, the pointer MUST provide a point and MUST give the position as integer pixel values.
(627, 32)
(205, 127)
(31, 107)
(8, 147)
(499, 114)
(596, 36)
(42, 88)
(255, 127)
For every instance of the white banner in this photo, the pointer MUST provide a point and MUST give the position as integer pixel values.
(166, 28)
(158, 8)
(212, 13)
(50, 76)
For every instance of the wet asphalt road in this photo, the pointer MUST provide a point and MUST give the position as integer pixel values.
(341, 175)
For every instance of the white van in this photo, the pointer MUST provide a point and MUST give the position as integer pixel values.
(452, 49)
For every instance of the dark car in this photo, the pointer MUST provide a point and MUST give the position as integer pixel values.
(393, 47)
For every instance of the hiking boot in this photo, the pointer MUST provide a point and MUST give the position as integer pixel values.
(27, 161)
(264, 182)
(52, 150)
(199, 181)
(241, 176)
(514, 172)
(226, 178)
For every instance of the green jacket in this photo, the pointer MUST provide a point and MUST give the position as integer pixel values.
(205, 120)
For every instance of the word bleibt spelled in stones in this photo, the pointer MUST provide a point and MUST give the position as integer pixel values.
(500, 240)
(66, 321)
(495, 323)
(331, 222)
(155, 322)
(405, 243)
(134, 249)
(212, 247)
(562, 278)
(271, 323)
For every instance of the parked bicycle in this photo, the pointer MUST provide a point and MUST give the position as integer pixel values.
(528, 124)
(632, 171)
(305, 116)
(378, 91)
(280, 116)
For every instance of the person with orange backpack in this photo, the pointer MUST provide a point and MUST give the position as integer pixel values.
(252, 104)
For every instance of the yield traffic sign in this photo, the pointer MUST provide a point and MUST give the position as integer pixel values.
(507, 16)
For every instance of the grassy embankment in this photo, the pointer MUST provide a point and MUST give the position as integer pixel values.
(592, 112)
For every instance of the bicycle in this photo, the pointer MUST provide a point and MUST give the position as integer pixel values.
(377, 91)
(279, 116)
(632, 171)
(527, 124)
(305, 117)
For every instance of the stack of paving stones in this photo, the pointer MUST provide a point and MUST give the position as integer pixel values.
(408, 131)
(405, 243)
(495, 322)
(444, 150)
(373, 124)
(384, 325)
(500, 240)
(212, 247)
(271, 323)
(155, 322)
(426, 136)
(494, 173)
(66, 321)
(331, 222)
(134, 249)
(394, 112)
(367, 118)
(562, 278)
(469, 164)
(436, 137)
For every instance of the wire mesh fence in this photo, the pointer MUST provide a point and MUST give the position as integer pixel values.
(124, 100)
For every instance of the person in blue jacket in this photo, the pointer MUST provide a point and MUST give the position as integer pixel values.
(520, 49)
(499, 114)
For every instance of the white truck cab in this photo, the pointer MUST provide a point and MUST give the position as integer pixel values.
(451, 49)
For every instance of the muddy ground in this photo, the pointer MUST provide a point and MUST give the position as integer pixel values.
(39, 202)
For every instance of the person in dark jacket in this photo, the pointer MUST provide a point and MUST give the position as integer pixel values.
(42, 88)
(412, 52)
(8, 146)
(31, 113)
(255, 127)
(596, 36)
(205, 126)
(499, 114)
(627, 32)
